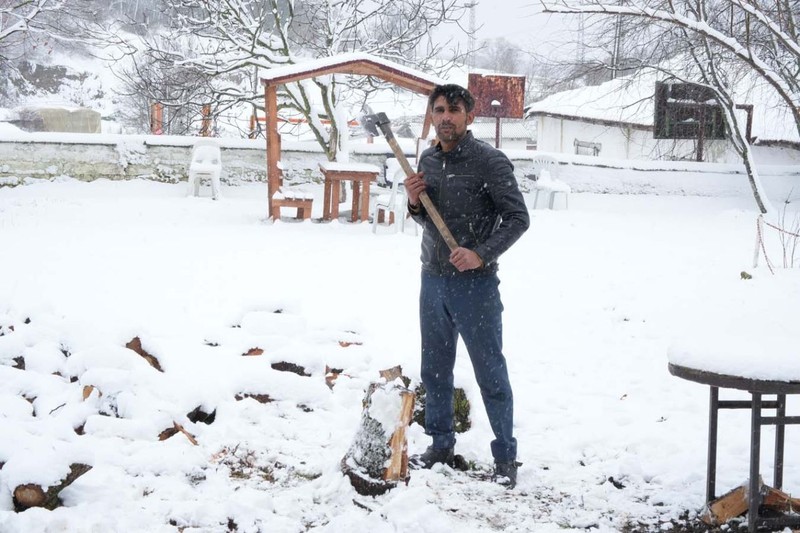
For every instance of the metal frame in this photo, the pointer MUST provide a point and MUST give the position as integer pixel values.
(757, 389)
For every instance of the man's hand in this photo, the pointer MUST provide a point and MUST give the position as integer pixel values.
(414, 185)
(464, 259)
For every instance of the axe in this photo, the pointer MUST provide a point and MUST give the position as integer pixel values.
(379, 121)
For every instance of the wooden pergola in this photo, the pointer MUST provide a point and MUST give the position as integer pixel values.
(356, 64)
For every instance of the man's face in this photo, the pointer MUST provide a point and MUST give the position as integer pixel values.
(450, 120)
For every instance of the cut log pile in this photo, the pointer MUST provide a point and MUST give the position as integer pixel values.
(390, 463)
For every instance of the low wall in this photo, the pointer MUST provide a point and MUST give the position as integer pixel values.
(163, 158)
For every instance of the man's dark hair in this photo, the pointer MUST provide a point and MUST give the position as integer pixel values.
(452, 93)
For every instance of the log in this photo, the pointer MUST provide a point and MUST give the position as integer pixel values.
(33, 495)
(730, 505)
(88, 390)
(375, 445)
(780, 501)
(135, 344)
(174, 430)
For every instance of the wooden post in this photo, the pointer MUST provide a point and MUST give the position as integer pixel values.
(157, 118)
(205, 127)
(273, 147)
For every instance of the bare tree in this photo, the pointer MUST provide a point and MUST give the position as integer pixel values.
(723, 40)
(763, 35)
(22, 30)
(220, 45)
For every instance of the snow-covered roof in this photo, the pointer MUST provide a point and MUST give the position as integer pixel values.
(629, 101)
(346, 63)
(624, 100)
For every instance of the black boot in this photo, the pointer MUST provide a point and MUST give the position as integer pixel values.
(431, 456)
(505, 474)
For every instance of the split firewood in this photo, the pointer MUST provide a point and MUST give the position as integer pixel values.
(380, 440)
(331, 374)
(174, 430)
(260, 398)
(730, 505)
(398, 467)
(285, 366)
(778, 500)
(198, 415)
(391, 374)
(33, 495)
(88, 390)
(136, 345)
(345, 344)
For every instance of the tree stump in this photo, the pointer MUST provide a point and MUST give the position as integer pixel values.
(32, 495)
(380, 440)
(461, 409)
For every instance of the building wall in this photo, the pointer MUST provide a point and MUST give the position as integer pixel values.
(559, 135)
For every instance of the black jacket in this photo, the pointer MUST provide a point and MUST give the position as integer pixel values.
(474, 188)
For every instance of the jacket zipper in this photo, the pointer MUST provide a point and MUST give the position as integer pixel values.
(440, 240)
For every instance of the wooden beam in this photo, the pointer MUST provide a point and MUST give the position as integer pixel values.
(362, 67)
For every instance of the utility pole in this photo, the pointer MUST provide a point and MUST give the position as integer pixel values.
(471, 42)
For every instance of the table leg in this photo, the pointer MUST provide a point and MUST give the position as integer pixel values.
(326, 200)
(780, 433)
(713, 423)
(356, 195)
(335, 200)
(365, 201)
(755, 456)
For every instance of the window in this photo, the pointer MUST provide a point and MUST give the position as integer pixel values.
(587, 148)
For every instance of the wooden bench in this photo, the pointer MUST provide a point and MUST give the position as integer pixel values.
(298, 199)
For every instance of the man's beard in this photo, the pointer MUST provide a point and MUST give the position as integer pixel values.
(448, 133)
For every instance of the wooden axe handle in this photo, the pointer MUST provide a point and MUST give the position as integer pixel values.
(438, 221)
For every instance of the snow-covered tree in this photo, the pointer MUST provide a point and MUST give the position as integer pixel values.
(22, 29)
(722, 40)
(220, 46)
(761, 35)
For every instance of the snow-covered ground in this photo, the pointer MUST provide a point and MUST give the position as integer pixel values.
(594, 298)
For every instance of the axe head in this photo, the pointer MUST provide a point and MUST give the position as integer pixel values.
(376, 123)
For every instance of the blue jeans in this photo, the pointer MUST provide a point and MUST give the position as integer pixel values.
(469, 306)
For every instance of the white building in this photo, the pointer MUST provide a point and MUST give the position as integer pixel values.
(615, 120)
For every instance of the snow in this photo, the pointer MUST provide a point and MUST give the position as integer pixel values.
(348, 167)
(598, 299)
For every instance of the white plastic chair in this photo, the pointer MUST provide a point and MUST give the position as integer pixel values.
(392, 206)
(545, 169)
(206, 164)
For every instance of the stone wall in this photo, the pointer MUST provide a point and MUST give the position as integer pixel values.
(163, 158)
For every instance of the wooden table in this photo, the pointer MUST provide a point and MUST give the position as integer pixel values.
(360, 174)
(757, 388)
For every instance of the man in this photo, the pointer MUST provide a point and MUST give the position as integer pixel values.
(474, 189)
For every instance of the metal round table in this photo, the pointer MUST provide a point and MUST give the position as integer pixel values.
(757, 388)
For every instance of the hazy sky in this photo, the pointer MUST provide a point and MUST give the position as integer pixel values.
(519, 21)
